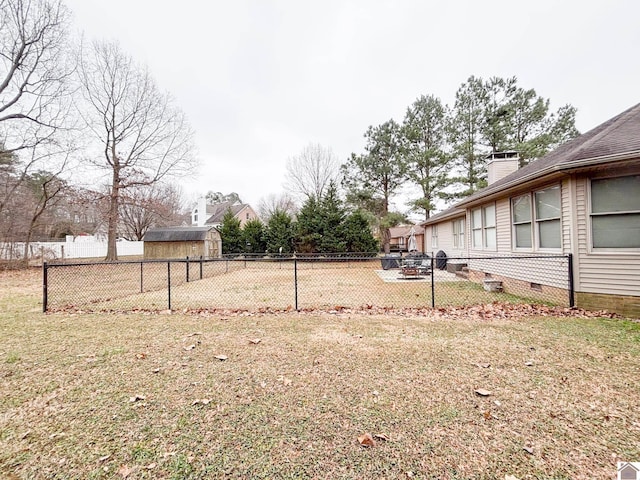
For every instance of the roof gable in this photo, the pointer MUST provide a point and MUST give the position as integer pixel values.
(221, 209)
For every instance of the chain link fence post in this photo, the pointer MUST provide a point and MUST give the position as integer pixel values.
(433, 285)
(295, 281)
(169, 284)
(572, 301)
(44, 287)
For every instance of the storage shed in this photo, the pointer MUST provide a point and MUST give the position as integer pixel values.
(181, 242)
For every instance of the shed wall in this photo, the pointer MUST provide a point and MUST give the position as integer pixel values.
(162, 250)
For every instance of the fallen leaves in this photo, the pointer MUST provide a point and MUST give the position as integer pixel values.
(124, 471)
(366, 440)
(496, 310)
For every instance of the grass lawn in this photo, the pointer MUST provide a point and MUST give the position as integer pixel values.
(144, 396)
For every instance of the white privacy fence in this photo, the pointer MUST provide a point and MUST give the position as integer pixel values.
(61, 250)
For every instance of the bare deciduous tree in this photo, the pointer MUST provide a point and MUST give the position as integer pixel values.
(311, 171)
(272, 203)
(144, 138)
(147, 206)
(34, 87)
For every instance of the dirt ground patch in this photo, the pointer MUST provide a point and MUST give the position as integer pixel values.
(147, 395)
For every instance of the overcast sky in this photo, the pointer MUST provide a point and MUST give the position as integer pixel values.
(260, 79)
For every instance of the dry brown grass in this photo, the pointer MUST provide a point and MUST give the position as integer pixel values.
(293, 405)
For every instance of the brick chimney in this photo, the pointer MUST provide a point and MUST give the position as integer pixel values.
(501, 164)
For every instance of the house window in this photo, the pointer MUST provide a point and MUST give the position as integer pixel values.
(615, 212)
(476, 228)
(521, 218)
(483, 227)
(434, 236)
(547, 214)
(489, 226)
(458, 233)
(247, 215)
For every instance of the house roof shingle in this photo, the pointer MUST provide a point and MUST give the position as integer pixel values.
(405, 231)
(217, 211)
(618, 137)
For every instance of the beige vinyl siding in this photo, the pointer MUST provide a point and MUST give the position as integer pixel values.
(503, 225)
(609, 273)
(427, 239)
(552, 272)
(445, 239)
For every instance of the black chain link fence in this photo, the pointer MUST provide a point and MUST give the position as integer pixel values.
(307, 282)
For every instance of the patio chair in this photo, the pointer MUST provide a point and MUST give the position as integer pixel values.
(425, 267)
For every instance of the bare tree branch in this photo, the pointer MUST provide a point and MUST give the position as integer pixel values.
(144, 138)
(311, 171)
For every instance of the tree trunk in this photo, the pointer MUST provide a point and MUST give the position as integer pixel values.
(112, 230)
(386, 239)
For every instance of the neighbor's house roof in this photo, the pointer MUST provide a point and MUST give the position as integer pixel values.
(617, 139)
(405, 231)
(218, 211)
(177, 234)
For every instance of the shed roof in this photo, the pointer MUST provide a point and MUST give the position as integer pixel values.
(177, 234)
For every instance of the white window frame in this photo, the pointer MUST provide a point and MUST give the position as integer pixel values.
(514, 224)
(591, 214)
(434, 236)
(484, 228)
(458, 233)
(538, 221)
(535, 221)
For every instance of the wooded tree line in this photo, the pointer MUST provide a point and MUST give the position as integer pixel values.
(441, 150)
(70, 106)
(322, 225)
